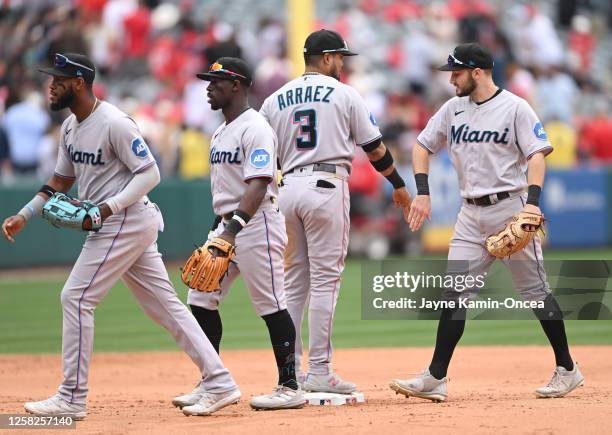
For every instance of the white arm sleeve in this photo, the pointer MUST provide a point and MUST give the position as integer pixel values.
(142, 183)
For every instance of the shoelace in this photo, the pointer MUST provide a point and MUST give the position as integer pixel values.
(279, 391)
(555, 377)
(207, 400)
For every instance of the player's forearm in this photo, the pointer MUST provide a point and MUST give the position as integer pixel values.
(250, 202)
(54, 184)
(420, 165)
(254, 195)
(141, 184)
(382, 160)
(536, 168)
(377, 154)
(420, 160)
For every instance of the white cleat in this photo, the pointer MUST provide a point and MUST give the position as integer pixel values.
(211, 402)
(424, 386)
(190, 398)
(281, 398)
(562, 382)
(56, 406)
(331, 383)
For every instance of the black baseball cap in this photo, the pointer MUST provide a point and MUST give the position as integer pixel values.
(326, 41)
(471, 55)
(71, 65)
(229, 68)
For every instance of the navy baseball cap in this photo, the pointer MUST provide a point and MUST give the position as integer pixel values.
(326, 41)
(229, 68)
(72, 65)
(471, 55)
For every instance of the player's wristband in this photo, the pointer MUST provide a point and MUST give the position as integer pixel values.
(422, 183)
(32, 208)
(533, 194)
(238, 222)
(48, 190)
(395, 179)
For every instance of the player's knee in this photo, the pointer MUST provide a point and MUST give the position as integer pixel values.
(69, 297)
(534, 293)
(551, 310)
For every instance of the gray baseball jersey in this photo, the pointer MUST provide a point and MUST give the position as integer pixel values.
(489, 143)
(103, 152)
(318, 119)
(243, 149)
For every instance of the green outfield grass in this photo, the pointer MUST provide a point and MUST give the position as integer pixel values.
(30, 320)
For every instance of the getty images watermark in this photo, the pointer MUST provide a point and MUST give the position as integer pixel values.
(450, 283)
(411, 290)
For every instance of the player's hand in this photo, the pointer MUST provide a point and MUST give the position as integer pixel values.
(419, 211)
(105, 211)
(228, 237)
(11, 226)
(401, 198)
(530, 208)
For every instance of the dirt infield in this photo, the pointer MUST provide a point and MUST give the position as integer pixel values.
(491, 390)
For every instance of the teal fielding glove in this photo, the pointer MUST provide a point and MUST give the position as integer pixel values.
(63, 211)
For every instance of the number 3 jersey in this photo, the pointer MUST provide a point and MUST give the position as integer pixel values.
(240, 151)
(318, 120)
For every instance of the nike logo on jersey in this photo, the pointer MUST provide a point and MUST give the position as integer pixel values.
(68, 131)
(459, 112)
(218, 157)
(463, 134)
(85, 157)
(308, 94)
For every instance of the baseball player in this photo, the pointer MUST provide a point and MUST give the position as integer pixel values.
(103, 151)
(243, 169)
(493, 137)
(319, 121)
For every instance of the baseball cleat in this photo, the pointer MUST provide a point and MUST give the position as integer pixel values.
(561, 383)
(211, 402)
(55, 406)
(424, 386)
(281, 398)
(330, 383)
(190, 398)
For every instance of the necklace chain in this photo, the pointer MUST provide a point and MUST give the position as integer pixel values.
(93, 108)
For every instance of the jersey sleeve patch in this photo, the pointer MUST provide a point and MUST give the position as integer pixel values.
(373, 120)
(139, 147)
(259, 158)
(539, 131)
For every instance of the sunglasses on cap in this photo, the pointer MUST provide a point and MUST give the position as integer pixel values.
(60, 61)
(218, 68)
(452, 60)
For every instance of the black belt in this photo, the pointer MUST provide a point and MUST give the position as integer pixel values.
(321, 167)
(485, 201)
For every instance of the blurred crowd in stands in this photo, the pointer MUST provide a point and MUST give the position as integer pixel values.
(557, 54)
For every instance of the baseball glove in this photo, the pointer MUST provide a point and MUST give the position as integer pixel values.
(204, 272)
(515, 236)
(66, 212)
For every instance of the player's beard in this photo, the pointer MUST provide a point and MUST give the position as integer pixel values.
(335, 74)
(468, 89)
(335, 71)
(64, 101)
